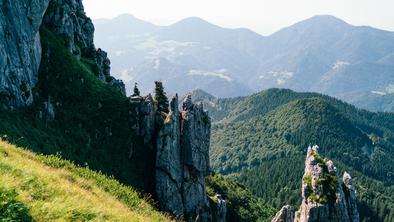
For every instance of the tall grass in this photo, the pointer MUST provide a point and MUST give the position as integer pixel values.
(47, 188)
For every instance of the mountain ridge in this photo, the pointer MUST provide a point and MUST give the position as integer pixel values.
(220, 60)
(260, 138)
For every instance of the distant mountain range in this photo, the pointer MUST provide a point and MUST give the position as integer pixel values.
(322, 54)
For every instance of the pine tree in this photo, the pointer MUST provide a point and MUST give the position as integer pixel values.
(161, 98)
(136, 90)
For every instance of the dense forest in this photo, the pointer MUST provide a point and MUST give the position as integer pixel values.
(262, 140)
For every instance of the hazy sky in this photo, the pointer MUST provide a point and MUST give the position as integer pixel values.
(263, 16)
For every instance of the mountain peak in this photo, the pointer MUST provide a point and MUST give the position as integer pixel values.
(325, 20)
(194, 22)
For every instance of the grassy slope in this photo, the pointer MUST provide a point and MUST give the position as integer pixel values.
(47, 188)
(264, 138)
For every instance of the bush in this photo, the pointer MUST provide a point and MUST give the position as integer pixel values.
(11, 209)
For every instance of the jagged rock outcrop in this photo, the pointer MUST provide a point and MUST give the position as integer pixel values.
(169, 163)
(103, 63)
(182, 141)
(67, 18)
(351, 199)
(324, 197)
(286, 214)
(20, 49)
(220, 215)
(195, 138)
(182, 160)
(20, 46)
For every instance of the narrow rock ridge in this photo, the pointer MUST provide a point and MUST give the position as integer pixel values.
(182, 160)
(324, 197)
(182, 142)
(20, 50)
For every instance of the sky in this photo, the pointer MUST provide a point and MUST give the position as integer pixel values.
(262, 16)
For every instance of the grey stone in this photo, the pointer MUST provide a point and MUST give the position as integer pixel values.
(20, 49)
(340, 205)
(67, 18)
(182, 159)
(104, 65)
(351, 198)
(286, 214)
(169, 168)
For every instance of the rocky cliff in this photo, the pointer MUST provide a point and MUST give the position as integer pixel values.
(324, 197)
(67, 19)
(182, 160)
(20, 49)
(20, 46)
(181, 139)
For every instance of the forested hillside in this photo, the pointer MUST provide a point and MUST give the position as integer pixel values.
(262, 140)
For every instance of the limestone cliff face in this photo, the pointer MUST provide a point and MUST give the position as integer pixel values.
(20, 49)
(181, 139)
(286, 214)
(20, 46)
(67, 19)
(182, 160)
(324, 197)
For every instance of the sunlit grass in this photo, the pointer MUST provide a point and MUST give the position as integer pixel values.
(53, 189)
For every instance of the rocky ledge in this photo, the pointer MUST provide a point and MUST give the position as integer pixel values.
(324, 197)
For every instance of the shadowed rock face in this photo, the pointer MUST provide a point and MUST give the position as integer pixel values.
(285, 214)
(20, 49)
(67, 19)
(181, 139)
(324, 197)
(20, 46)
(182, 160)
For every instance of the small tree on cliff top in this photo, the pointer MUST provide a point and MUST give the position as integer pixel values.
(161, 98)
(136, 90)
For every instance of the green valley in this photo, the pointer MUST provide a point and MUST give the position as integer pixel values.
(262, 140)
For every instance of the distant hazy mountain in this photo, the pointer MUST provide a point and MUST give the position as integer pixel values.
(322, 54)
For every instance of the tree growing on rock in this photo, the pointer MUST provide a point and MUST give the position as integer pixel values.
(136, 90)
(161, 98)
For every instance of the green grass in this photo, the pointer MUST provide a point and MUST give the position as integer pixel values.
(47, 188)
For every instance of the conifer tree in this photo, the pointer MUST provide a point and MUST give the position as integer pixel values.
(161, 98)
(136, 90)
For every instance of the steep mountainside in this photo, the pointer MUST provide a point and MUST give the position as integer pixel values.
(322, 54)
(47, 188)
(261, 139)
(73, 108)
